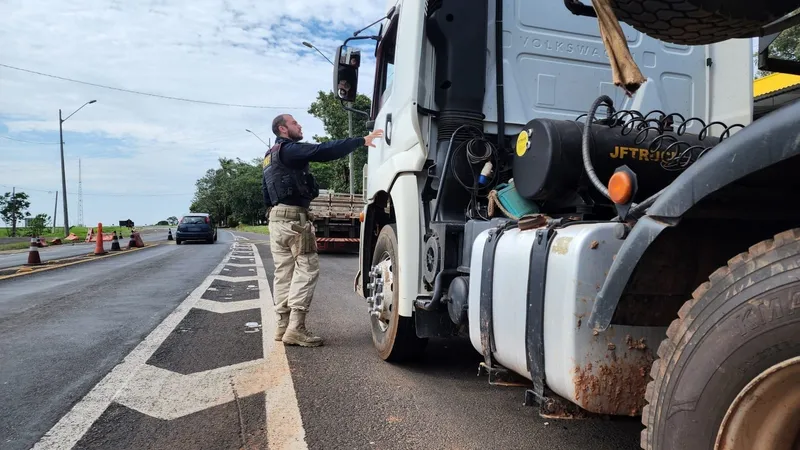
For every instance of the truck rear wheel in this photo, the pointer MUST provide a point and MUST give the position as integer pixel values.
(729, 369)
(699, 22)
(394, 336)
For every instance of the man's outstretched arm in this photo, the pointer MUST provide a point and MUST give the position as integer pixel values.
(299, 153)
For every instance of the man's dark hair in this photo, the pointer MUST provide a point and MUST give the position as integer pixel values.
(279, 121)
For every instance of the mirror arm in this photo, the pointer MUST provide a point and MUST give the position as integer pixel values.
(357, 111)
(361, 38)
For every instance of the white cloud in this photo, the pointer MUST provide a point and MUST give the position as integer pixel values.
(231, 51)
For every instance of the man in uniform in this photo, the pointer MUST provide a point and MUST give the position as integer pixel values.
(288, 187)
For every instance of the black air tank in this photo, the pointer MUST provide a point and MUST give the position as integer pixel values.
(550, 167)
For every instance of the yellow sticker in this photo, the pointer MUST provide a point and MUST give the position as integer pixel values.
(522, 143)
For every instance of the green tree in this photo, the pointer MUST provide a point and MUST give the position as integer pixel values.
(14, 208)
(38, 225)
(172, 220)
(785, 46)
(335, 174)
(233, 191)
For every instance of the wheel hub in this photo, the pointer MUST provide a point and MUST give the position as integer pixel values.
(380, 289)
(766, 413)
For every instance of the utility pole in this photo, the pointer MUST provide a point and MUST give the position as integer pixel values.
(80, 194)
(350, 158)
(55, 213)
(13, 212)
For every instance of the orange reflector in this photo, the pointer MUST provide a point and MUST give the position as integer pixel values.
(361, 217)
(620, 187)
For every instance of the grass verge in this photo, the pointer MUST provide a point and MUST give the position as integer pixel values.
(81, 232)
(14, 246)
(260, 229)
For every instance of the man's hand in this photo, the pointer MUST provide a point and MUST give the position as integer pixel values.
(372, 136)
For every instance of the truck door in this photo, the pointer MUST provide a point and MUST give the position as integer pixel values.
(385, 107)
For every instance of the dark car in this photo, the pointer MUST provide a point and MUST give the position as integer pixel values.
(196, 227)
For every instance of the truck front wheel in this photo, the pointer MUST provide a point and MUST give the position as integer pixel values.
(393, 335)
(728, 376)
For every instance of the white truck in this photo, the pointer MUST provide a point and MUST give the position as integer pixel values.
(626, 255)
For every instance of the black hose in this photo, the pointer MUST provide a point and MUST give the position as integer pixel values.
(436, 300)
(640, 207)
(586, 142)
(498, 62)
(444, 168)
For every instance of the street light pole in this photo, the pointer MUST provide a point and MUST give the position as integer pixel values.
(310, 45)
(63, 172)
(350, 157)
(262, 141)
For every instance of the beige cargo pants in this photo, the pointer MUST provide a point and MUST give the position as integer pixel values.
(294, 251)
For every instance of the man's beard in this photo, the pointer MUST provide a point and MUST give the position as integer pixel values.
(295, 136)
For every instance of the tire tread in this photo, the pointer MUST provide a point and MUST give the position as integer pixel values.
(406, 345)
(667, 348)
(686, 22)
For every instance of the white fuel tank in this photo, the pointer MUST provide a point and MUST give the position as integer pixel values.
(604, 372)
(510, 292)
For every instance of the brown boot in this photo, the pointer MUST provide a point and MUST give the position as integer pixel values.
(297, 334)
(283, 322)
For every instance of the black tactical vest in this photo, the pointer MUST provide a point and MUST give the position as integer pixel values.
(282, 184)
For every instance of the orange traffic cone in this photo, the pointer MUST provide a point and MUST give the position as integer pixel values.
(33, 253)
(99, 249)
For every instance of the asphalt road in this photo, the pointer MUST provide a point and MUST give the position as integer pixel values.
(20, 257)
(63, 330)
(349, 398)
(146, 351)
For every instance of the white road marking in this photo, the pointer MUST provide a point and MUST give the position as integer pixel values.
(227, 307)
(237, 279)
(167, 395)
(284, 424)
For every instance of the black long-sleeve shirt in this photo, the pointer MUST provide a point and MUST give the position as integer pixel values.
(297, 154)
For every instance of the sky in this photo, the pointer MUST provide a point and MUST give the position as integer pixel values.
(140, 155)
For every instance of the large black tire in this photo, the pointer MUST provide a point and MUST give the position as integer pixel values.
(699, 22)
(399, 342)
(742, 321)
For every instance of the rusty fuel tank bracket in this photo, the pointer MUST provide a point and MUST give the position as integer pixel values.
(500, 376)
(553, 406)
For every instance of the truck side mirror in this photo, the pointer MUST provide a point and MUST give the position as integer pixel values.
(345, 75)
(370, 124)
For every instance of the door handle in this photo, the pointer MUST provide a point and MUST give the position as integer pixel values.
(388, 132)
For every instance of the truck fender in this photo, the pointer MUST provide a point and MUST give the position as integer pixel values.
(766, 142)
(405, 200)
